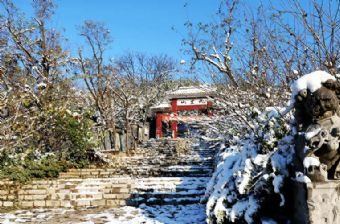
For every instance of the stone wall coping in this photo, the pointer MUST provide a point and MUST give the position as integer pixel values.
(324, 185)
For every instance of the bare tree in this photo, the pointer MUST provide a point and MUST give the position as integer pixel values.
(312, 31)
(99, 77)
(211, 43)
(143, 80)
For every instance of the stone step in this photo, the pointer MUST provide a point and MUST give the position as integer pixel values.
(163, 199)
(164, 177)
(168, 190)
(196, 163)
(186, 174)
(187, 171)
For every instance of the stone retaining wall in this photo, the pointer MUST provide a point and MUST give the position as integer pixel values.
(66, 193)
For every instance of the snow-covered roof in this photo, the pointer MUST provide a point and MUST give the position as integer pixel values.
(192, 91)
(163, 106)
(183, 93)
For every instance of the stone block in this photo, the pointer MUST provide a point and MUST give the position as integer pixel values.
(4, 192)
(109, 196)
(106, 191)
(115, 190)
(20, 197)
(317, 203)
(83, 203)
(70, 186)
(53, 204)
(64, 191)
(22, 192)
(124, 190)
(13, 191)
(65, 204)
(28, 197)
(104, 173)
(8, 204)
(50, 191)
(60, 186)
(96, 196)
(61, 196)
(99, 203)
(123, 196)
(11, 197)
(28, 187)
(52, 196)
(39, 203)
(112, 203)
(37, 192)
(122, 202)
(39, 197)
(26, 204)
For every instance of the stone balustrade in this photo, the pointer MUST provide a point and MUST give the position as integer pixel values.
(317, 203)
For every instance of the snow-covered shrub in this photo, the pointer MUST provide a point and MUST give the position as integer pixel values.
(251, 170)
(236, 110)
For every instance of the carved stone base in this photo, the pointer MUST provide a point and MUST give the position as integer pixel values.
(317, 203)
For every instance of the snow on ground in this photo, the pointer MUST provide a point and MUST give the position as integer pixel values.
(166, 214)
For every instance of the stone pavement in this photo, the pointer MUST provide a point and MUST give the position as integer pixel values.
(167, 214)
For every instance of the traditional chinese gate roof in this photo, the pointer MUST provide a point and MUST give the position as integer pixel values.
(164, 106)
(192, 92)
(188, 92)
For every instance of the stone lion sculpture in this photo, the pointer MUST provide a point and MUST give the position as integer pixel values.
(317, 115)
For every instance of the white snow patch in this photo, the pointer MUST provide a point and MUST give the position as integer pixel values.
(187, 91)
(277, 183)
(261, 160)
(161, 105)
(312, 81)
(311, 134)
(268, 221)
(306, 149)
(41, 85)
(245, 207)
(311, 161)
(300, 177)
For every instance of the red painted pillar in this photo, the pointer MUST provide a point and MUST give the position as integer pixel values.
(159, 125)
(174, 122)
(209, 107)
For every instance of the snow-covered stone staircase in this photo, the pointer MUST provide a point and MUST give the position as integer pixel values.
(169, 190)
(168, 175)
(183, 183)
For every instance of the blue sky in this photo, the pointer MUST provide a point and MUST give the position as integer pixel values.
(135, 25)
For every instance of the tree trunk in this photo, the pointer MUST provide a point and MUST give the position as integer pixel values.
(126, 132)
